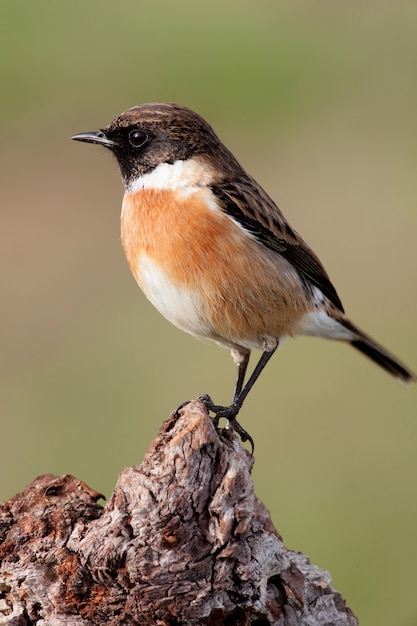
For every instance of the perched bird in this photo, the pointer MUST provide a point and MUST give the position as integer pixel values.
(213, 252)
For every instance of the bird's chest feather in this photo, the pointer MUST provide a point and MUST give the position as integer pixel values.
(169, 239)
(203, 272)
(174, 230)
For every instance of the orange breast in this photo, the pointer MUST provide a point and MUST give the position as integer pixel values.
(179, 232)
(246, 292)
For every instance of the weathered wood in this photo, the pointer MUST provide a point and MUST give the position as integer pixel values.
(182, 540)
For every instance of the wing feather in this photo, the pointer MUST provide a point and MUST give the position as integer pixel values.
(255, 211)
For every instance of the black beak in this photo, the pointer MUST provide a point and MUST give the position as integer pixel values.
(97, 137)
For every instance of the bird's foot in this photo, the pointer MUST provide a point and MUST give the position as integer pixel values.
(229, 413)
(178, 409)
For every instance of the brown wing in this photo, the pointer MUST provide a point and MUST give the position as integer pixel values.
(250, 205)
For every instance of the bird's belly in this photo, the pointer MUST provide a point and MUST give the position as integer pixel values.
(190, 311)
(178, 304)
(205, 274)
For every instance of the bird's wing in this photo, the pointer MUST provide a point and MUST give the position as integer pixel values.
(254, 210)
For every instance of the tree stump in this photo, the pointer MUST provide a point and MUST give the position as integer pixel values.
(182, 540)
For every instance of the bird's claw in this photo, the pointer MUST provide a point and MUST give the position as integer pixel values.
(178, 409)
(229, 413)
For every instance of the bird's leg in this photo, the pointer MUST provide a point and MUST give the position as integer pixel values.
(241, 358)
(230, 412)
(265, 356)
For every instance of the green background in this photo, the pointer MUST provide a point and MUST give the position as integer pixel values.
(318, 100)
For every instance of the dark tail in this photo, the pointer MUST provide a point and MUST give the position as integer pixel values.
(379, 355)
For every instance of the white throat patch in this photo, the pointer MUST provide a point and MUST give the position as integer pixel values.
(191, 174)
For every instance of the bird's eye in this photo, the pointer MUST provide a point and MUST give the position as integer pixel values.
(138, 138)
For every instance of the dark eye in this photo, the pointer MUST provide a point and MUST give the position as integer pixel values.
(137, 138)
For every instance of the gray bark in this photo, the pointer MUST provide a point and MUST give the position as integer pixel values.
(182, 540)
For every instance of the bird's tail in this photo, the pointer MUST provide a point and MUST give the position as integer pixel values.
(379, 355)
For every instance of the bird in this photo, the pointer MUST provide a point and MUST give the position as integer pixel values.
(213, 252)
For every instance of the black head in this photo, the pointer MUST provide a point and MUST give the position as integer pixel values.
(147, 135)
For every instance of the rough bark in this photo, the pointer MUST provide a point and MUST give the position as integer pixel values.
(182, 540)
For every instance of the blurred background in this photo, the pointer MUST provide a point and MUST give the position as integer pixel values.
(318, 101)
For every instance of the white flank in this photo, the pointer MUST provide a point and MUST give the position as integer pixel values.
(191, 174)
(179, 306)
(318, 324)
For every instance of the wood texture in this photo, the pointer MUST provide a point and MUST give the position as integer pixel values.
(182, 540)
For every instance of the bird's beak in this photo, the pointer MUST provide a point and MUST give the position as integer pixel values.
(97, 137)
